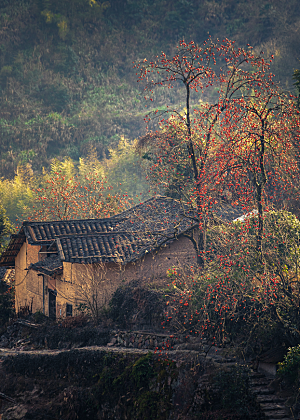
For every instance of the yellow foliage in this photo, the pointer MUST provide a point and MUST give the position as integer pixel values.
(62, 28)
(16, 196)
(61, 22)
(91, 165)
(48, 15)
(65, 167)
(102, 6)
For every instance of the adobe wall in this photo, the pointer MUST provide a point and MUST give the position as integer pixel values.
(34, 283)
(32, 253)
(66, 293)
(28, 285)
(34, 290)
(80, 281)
(108, 277)
(20, 278)
(153, 267)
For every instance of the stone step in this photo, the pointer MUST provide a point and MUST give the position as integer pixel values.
(261, 390)
(271, 405)
(276, 414)
(268, 398)
(259, 382)
(268, 406)
(255, 374)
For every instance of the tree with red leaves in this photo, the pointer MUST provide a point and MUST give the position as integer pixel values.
(257, 146)
(190, 67)
(237, 148)
(223, 143)
(238, 296)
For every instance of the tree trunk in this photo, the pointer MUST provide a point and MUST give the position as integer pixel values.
(260, 231)
(201, 248)
(260, 181)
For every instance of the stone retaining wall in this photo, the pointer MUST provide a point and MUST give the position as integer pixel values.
(149, 340)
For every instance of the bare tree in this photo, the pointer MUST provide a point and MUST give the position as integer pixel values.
(93, 289)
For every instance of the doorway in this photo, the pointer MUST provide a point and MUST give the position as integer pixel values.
(52, 304)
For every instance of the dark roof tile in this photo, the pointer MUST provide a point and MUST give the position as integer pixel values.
(49, 265)
(161, 218)
(122, 247)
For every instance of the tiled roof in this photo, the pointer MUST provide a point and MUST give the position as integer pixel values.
(49, 265)
(139, 230)
(39, 233)
(121, 247)
(43, 233)
(155, 214)
(7, 258)
(161, 219)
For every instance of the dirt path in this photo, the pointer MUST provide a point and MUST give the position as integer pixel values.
(176, 355)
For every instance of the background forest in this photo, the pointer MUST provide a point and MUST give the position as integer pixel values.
(69, 95)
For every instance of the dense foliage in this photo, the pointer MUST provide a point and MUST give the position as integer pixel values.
(65, 66)
(76, 189)
(239, 296)
(6, 303)
(289, 368)
(238, 147)
(6, 228)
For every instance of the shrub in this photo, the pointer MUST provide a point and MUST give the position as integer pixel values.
(289, 369)
(239, 294)
(136, 304)
(6, 302)
(233, 389)
(39, 317)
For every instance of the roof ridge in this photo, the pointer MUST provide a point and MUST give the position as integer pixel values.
(116, 232)
(109, 229)
(155, 197)
(28, 222)
(115, 217)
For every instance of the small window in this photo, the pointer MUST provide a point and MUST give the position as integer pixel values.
(69, 309)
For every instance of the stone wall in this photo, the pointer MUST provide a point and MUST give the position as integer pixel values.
(155, 341)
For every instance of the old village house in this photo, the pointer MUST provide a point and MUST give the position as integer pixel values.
(61, 264)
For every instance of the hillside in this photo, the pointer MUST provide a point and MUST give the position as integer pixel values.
(66, 74)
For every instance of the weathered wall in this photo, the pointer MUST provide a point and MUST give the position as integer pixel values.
(32, 253)
(20, 278)
(28, 285)
(153, 267)
(104, 279)
(34, 290)
(66, 291)
(80, 282)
